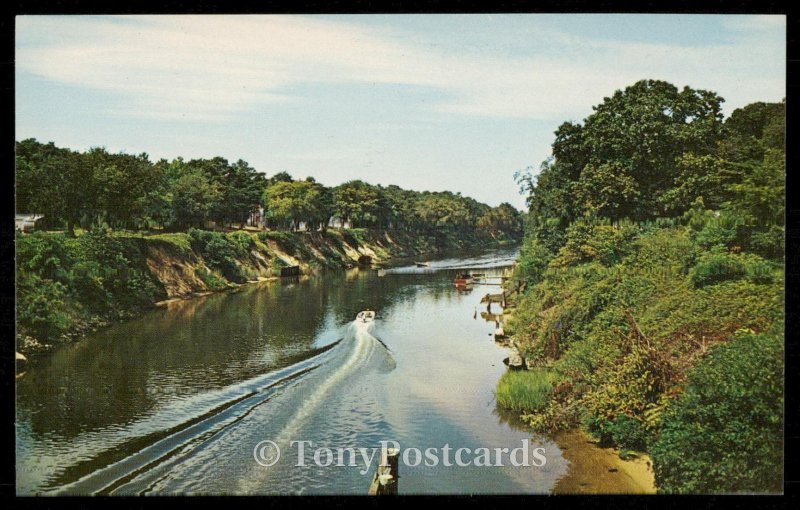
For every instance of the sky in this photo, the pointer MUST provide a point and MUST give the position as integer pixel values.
(427, 102)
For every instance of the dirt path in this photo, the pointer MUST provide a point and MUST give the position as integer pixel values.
(597, 470)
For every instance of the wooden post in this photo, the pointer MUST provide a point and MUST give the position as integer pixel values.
(384, 483)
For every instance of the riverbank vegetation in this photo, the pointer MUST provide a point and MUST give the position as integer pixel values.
(654, 281)
(67, 286)
(120, 232)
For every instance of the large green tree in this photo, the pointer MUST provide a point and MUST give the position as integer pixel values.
(194, 195)
(294, 202)
(627, 157)
(122, 185)
(53, 181)
(357, 202)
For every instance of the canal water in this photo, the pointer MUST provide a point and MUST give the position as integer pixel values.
(184, 399)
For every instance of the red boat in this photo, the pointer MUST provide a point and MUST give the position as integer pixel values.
(463, 279)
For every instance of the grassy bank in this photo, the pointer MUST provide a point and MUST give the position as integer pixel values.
(525, 390)
(67, 286)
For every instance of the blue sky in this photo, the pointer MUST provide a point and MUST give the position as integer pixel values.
(438, 102)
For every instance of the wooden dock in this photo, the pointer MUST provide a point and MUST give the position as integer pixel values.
(494, 298)
(290, 271)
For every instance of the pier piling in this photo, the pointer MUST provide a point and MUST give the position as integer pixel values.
(384, 483)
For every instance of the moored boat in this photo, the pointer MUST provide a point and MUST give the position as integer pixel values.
(463, 279)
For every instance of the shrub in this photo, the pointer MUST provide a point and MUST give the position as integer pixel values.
(43, 254)
(770, 242)
(211, 279)
(624, 336)
(532, 261)
(718, 231)
(596, 240)
(718, 266)
(241, 241)
(623, 431)
(41, 309)
(219, 253)
(87, 284)
(111, 273)
(615, 410)
(198, 239)
(724, 433)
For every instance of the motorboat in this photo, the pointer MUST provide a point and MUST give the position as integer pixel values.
(422, 264)
(365, 316)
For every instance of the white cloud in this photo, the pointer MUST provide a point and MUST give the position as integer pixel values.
(215, 67)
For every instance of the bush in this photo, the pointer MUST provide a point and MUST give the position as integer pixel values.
(718, 266)
(616, 409)
(597, 240)
(718, 231)
(111, 273)
(532, 261)
(241, 241)
(524, 390)
(87, 284)
(623, 337)
(198, 239)
(770, 242)
(623, 431)
(211, 279)
(62, 282)
(724, 434)
(41, 309)
(715, 267)
(43, 254)
(219, 252)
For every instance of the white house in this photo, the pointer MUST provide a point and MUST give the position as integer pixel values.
(26, 222)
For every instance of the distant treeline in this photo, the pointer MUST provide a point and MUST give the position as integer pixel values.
(74, 188)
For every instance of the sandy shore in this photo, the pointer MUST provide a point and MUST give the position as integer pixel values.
(597, 470)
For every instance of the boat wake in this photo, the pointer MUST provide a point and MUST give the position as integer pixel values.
(486, 262)
(165, 452)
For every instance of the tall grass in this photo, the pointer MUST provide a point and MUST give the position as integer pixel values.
(525, 390)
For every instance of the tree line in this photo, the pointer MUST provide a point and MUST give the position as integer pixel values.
(73, 188)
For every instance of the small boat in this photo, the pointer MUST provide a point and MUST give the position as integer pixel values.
(463, 279)
(366, 316)
(422, 264)
(463, 288)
